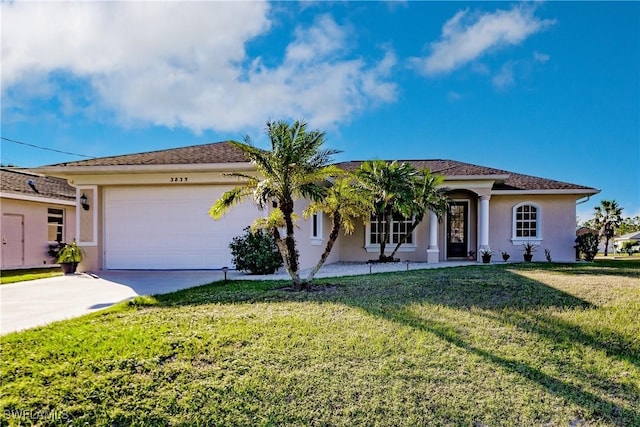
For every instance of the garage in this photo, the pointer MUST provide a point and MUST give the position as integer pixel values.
(168, 227)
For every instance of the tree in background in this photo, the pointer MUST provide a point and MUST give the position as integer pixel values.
(629, 225)
(296, 167)
(608, 217)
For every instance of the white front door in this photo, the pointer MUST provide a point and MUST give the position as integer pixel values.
(12, 240)
(161, 228)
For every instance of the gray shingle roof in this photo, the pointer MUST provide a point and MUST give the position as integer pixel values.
(219, 152)
(514, 181)
(16, 181)
(225, 152)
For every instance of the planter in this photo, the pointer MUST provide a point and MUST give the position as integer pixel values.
(68, 267)
(486, 259)
(528, 257)
(506, 257)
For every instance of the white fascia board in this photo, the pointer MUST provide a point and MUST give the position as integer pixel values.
(576, 191)
(67, 171)
(28, 198)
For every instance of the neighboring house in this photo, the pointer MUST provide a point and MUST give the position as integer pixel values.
(630, 237)
(36, 211)
(150, 211)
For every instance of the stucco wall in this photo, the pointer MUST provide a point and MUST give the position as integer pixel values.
(558, 216)
(35, 217)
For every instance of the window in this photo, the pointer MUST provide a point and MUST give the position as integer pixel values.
(316, 229)
(399, 227)
(55, 224)
(526, 222)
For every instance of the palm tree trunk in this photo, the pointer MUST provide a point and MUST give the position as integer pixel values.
(387, 232)
(333, 236)
(405, 236)
(284, 251)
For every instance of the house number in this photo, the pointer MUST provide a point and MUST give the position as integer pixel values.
(179, 179)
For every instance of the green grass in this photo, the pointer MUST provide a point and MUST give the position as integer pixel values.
(13, 276)
(499, 345)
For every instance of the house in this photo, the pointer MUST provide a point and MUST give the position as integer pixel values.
(150, 211)
(619, 241)
(36, 211)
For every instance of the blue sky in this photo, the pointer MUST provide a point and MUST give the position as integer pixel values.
(547, 88)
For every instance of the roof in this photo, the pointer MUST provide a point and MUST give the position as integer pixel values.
(17, 181)
(629, 236)
(226, 153)
(218, 152)
(508, 181)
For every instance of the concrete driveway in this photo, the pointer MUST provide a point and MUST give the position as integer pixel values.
(24, 305)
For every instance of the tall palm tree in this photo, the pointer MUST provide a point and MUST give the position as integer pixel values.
(428, 195)
(608, 217)
(344, 204)
(295, 167)
(390, 186)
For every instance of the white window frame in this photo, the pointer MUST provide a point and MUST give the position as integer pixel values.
(518, 240)
(318, 219)
(375, 247)
(62, 224)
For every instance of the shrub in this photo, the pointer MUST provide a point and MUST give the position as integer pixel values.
(587, 245)
(255, 252)
(629, 247)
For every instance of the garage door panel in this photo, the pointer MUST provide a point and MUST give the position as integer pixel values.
(169, 228)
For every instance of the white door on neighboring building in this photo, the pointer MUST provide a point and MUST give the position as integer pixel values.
(12, 240)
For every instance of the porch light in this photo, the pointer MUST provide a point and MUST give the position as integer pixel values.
(84, 202)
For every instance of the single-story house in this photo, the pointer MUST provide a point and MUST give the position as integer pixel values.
(629, 237)
(36, 211)
(150, 211)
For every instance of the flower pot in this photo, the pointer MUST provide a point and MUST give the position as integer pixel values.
(506, 257)
(528, 257)
(68, 267)
(486, 259)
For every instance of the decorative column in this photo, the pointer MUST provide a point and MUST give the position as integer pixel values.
(433, 253)
(484, 222)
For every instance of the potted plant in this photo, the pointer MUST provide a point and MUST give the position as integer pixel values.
(505, 256)
(471, 256)
(486, 253)
(529, 248)
(69, 256)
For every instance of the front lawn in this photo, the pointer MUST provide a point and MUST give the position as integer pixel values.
(527, 345)
(13, 276)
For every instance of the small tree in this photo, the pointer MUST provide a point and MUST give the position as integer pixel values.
(629, 247)
(608, 217)
(587, 245)
(256, 252)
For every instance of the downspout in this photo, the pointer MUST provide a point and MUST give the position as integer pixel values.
(578, 202)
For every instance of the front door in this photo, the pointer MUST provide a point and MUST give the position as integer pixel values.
(12, 240)
(457, 229)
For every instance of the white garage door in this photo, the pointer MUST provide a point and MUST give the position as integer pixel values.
(160, 228)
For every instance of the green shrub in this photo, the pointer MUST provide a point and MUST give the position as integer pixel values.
(587, 245)
(255, 252)
(630, 247)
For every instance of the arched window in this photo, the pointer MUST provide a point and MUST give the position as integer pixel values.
(526, 222)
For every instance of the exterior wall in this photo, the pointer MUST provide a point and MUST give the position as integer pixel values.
(558, 221)
(35, 217)
(310, 249)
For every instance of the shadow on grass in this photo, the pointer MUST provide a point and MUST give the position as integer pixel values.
(501, 295)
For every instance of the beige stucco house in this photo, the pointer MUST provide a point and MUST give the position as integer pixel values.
(150, 211)
(36, 211)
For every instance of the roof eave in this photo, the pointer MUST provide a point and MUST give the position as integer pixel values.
(575, 191)
(140, 169)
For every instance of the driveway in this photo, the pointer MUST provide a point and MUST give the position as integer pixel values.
(25, 305)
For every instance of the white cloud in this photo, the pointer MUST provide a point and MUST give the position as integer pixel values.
(505, 78)
(467, 36)
(541, 57)
(186, 63)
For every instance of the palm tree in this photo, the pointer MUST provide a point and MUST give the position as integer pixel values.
(428, 195)
(295, 167)
(390, 187)
(344, 204)
(608, 217)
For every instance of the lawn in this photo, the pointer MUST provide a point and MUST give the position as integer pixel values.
(526, 345)
(13, 276)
